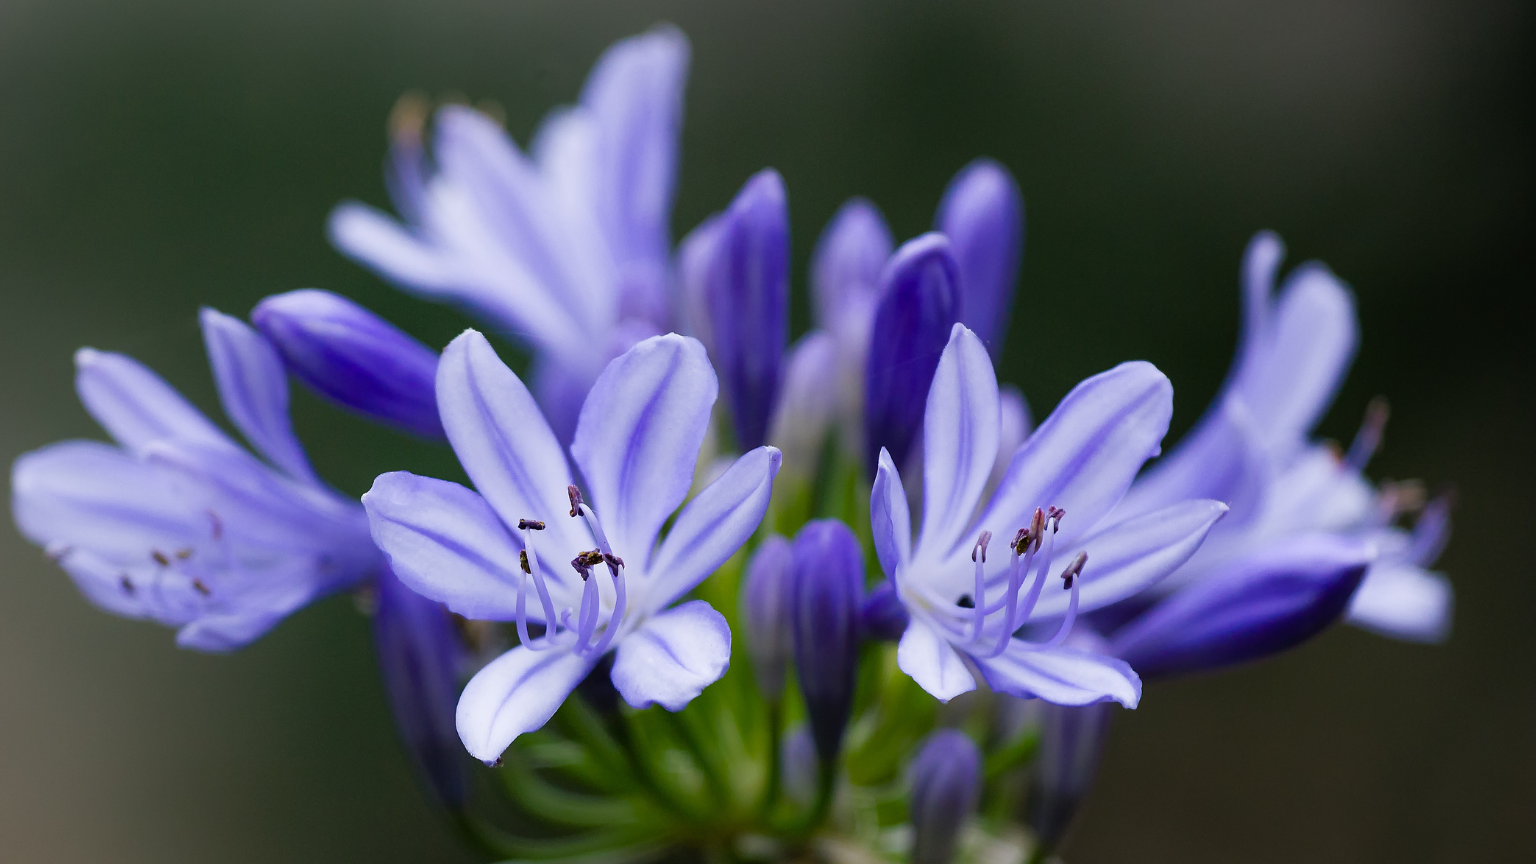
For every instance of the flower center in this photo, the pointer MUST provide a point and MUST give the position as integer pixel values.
(580, 635)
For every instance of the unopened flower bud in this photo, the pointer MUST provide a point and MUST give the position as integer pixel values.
(354, 358)
(946, 777)
(884, 616)
(848, 259)
(765, 604)
(829, 579)
(983, 215)
(919, 305)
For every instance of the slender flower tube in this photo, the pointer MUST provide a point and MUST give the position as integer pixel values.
(745, 274)
(419, 654)
(828, 589)
(966, 593)
(918, 306)
(178, 524)
(982, 213)
(1271, 601)
(529, 546)
(353, 358)
(1071, 742)
(767, 599)
(1252, 450)
(946, 785)
(565, 247)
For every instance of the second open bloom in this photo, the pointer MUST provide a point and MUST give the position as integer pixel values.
(582, 566)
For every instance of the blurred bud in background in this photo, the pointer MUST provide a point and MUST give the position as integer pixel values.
(982, 213)
(766, 599)
(946, 784)
(828, 592)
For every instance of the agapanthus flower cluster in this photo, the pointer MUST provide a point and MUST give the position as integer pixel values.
(670, 472)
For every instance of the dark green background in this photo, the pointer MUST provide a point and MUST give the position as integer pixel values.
(159, 155)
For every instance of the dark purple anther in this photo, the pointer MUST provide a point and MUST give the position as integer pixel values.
(983, 215)
(418, 653)
(746, 294)
(884, 616)
(946, 782)
(918, 307)
(354, 358)
(1273, 600)
(828, 592)
(766, 599)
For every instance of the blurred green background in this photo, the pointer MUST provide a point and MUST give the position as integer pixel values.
(159, 155)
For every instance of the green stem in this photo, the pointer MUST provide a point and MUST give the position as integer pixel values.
(712, 776)
(775, 756)
(659, 789)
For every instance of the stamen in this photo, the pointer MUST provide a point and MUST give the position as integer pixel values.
(1052, 526)
(1069, 578)
(160, 557)
(526, 524)
(128, 586)
(1023, 542)
(575, 496)
(1369, 437)
(201, 588)
(979, 555)
(587, 620)
(183, 554)
(216, 525)
(529, 560)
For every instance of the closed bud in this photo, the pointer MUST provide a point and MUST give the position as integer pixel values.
(946, 777)
(418, 653)
(743, 261)
(884, 616)
(848, 259)
(354, 358)
(1268, 602)
(806, 405)
(982, 213)
(829, 580)
(918, 307)
(765, 604)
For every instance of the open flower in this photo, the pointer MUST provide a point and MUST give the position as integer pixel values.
(531, 547)
(565, 247)
(967, 596)
(179, 524)
(1252, 451)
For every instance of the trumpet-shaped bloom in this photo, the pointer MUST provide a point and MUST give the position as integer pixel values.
(564, 247)
(527, 545)
(177, 523)
(966, 594)
(1252, 451)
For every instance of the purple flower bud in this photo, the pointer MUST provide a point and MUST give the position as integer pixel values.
(1071, 740)
(829, 580)
(765, 604)
(354, 358)
(1270, 601)
(884, 616)
(746, 294)
(918, 307)
(848, 258)
(418, 654)
(983, 215)
(946, 779)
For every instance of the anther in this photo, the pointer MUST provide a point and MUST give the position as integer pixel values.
(585, 561)
(58, 554)
(160, 557)
(981, 546)
(612, 560)
(128, 586)
(576, 501)
(201, 588)
(217, 524)
(1074, 570)
(183, 554)
(522, 561)
(530, 524)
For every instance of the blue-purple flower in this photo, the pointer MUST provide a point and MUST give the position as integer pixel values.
(967, 593)
(566, 247)
(1252, 450)
(178, 524)
(582, 564)
(946, 786)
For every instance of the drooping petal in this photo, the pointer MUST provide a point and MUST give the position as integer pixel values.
(639, 437)
(1272, 600)
(1130, 556)
(1403, 602)
(746, 290)
(502, 441)
(86, 493)
(1061, 675)
(515, 693)
(982, 213)
(919, 304)
(354, 358)
(445, 542)
(673, 657)
(889, 517)
(1084, 456)
(712, 527)
(849, 255)
(927, 657)
(960, 439)
(135, 405)
(253, 387)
